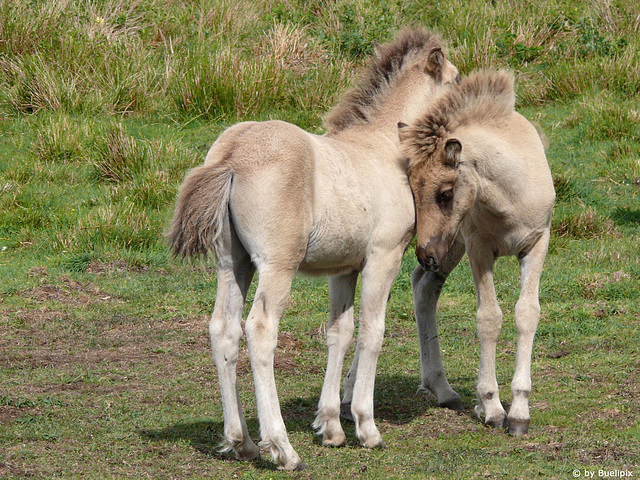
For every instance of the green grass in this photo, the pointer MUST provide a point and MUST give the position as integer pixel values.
(104, 350)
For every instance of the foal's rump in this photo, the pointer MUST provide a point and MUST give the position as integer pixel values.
(260, 175)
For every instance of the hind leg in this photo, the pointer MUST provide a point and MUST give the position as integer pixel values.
(339, 334)
(271, 207)
(527, 318)
(272, 296)
(426, 292)
(235, 272)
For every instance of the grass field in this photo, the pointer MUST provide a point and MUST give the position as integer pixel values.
(105, 370)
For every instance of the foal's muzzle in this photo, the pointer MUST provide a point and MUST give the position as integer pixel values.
(432, 254)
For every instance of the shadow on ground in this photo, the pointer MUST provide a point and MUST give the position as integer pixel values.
(397, 401)
(626, 216)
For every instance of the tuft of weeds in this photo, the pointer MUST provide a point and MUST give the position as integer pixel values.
(565, 188)
(626, 216)
(228, 85)
(59, 141)
(586, 224)
(119, 157)
(624, 148)
(78, 263)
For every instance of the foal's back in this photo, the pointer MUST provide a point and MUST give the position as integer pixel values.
(513, 172)
(330, 199)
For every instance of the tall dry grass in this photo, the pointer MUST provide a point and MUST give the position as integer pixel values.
(238, 58)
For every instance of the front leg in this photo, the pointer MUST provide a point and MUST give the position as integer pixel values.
(489, 318)
(527, 318)
(377, 279)
(339, 334)
(426, 292)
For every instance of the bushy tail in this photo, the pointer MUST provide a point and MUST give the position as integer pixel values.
(201, 208)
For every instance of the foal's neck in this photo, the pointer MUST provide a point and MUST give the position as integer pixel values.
(405, 103)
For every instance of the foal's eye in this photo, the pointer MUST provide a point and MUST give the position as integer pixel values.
(445, 196)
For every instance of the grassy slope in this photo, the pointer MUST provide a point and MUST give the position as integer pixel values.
(103, 345)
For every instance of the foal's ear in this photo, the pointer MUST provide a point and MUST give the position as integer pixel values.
(403, 131)
(435, 61)
(452, 150)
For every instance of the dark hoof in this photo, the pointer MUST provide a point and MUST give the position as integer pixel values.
(518, 428)
(345, 412)
(496, 422)
(453, 404)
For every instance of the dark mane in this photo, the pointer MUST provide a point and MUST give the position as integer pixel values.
(484, 97)
(359, 104)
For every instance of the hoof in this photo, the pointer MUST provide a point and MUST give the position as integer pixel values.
(453, 404)
(248, 452)
(518, 428)
(248, 456)
(496, 422)
(296, 467)
(345, 412)
(335, 441)
(373, 441)
(375, 445)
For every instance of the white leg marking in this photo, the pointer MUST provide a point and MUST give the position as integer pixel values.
(272, 296)
(377, 279)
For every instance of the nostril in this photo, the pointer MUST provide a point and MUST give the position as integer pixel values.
(427, 261)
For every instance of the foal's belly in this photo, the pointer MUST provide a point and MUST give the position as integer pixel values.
(336, 248)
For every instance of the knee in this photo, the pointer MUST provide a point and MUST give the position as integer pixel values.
(221, 328)
(527, 314)
(259, 329)
(371, 338)
(341, 332)
(489, 320)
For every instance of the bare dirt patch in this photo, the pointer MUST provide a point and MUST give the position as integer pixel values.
(287, 358)
(70, 292)
(9, 413)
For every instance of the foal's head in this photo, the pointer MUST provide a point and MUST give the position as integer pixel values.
(443, 191)
(443, 179)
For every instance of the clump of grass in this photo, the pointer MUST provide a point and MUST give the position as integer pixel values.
(565, 188)
(79, 262)
(624, 148)
(614, 122)
(586, 224)
(627, 216)
(292, 46)
(31, 85)
(57, 142)
(119, 157)
(120, 226)
(229, 85)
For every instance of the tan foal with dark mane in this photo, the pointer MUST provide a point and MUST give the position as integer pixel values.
(481, 181)
(273, 198)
